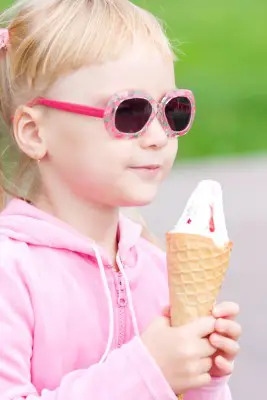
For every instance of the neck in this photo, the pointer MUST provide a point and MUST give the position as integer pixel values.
(94, 220)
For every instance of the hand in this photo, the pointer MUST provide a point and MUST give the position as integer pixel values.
(183, 354)
(225, 337)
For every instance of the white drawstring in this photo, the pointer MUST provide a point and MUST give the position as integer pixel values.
(129, 296)
(109, 300)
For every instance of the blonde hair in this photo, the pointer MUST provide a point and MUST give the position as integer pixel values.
(49, 38)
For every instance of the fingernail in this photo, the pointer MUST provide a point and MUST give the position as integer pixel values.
(166, 312)
(216, 311)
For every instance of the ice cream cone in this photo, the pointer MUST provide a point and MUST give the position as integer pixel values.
(196, 269)
(198, 255)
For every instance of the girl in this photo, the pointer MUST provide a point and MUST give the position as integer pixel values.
(88, 94)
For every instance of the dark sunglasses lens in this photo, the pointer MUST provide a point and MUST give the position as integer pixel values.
(132, 115)
(178, 113)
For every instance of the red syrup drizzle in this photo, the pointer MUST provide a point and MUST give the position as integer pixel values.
(211, 223)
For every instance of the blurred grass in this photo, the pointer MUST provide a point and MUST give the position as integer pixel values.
(224, 62)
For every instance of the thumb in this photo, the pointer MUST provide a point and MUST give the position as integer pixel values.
(162, 321)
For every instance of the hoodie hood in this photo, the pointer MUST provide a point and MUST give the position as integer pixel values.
(26, 223)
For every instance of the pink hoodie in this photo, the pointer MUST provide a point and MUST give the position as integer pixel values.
(69, 323)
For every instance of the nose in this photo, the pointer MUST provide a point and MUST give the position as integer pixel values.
(154, 136)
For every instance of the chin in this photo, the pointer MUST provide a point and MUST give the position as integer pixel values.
(139, 198)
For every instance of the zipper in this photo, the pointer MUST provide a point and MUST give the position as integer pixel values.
(121, 305)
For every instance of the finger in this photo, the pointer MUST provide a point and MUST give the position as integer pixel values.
(225, 366)
(228, 328)
(206, 349)
(202, 326)
(226, 309)
(229, 347)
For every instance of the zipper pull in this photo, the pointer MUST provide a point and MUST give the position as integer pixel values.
(122, 299)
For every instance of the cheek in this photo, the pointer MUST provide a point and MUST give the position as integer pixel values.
(170, 156)
(85, 147)
(172, 151)
(73, 138)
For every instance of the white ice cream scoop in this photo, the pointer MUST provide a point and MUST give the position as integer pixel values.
(204, 215)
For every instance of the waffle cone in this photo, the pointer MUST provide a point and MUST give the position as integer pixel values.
(196, 270)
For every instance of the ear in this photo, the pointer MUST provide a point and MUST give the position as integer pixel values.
(28, 132)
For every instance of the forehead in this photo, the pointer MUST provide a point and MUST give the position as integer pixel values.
(141, 67)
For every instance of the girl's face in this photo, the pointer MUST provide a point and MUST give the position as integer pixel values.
(83, 155)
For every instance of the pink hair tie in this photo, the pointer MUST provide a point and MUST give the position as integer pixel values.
(4, 39)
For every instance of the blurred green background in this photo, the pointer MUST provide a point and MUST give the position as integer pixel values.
(224, 61)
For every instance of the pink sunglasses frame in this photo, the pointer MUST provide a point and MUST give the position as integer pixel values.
(109, 113)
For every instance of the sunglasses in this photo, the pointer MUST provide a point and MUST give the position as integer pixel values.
(129, 113)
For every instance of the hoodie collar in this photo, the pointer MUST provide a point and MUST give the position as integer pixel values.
(24, 222)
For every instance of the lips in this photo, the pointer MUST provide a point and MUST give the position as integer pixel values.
(148, 167)
(147, 172)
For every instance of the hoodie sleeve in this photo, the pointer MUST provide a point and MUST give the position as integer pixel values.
(217, 390)
(129, 372)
